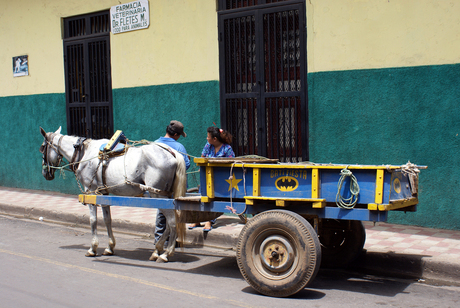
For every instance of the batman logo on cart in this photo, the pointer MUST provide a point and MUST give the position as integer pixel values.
(286, 183)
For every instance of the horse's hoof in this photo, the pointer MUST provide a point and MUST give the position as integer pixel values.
(154, 256)
(90, 254)
(162, 259)
(107, 252)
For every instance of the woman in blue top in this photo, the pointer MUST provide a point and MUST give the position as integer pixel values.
(218, 145)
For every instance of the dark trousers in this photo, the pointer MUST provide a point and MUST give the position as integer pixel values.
(160, 226)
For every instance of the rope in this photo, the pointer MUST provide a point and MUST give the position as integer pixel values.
(231, 208)
(347, 203)
(412, 171)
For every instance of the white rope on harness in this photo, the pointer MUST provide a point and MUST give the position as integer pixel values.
(347, 203)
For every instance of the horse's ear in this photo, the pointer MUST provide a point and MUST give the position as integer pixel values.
(58, 131)
(42, 131)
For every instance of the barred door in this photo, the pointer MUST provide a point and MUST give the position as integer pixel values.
(88, 77)
(263, 71)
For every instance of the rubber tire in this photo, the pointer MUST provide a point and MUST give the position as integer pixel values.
(342, 241)
(299, 235)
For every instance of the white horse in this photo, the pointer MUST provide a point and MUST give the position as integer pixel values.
(153, 167)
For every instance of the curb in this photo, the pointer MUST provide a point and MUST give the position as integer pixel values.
(418, 267)
(222, 236)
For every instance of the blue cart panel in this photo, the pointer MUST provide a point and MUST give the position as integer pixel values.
(252, 186)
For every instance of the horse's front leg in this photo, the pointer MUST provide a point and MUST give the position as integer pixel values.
(108, 223)
(92, 252)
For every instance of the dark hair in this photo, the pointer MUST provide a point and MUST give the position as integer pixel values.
(170, 131)
(221, 134)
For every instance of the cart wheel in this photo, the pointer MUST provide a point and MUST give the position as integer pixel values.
(342, 241)
(278, 253)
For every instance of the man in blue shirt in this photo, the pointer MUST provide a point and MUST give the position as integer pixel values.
(174, 130)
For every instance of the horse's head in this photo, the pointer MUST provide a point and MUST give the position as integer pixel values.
(51, 156)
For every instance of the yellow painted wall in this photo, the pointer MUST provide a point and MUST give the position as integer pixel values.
(361, 34)
(179, 46)
(181, 43)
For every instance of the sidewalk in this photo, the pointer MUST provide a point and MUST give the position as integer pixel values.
(408, 251)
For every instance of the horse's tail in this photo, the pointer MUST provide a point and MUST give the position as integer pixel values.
(179, 190)
(180, 180)
(180, 227)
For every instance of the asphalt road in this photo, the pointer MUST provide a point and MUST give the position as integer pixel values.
(43, 265)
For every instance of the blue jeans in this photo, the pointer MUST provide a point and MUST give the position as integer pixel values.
(160, 226)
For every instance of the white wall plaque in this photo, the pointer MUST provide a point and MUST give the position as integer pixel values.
(129, 16)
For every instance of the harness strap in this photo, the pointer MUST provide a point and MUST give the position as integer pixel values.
(77, 153)
(150, 189)
(49, 143)
(166, 148)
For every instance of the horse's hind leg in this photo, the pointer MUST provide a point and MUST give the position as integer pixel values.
(108, 223)
(92, 252)
(159, 245)
(170, 249)
(171, 232)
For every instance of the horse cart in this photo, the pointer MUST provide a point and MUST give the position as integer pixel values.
(303, 214)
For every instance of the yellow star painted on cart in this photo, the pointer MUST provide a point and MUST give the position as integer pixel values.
(233, 183)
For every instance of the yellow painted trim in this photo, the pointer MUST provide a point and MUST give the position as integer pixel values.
(398, 204)
(319, 205)
(210, 182)
(372, 207)
(393, 205)
(87, 199)
(205, 199)
(249, 202)
(256, 182)
(203, 162)
(379, 187)
(285, 199)
(280, 203)
(200, 160)
(315, 183)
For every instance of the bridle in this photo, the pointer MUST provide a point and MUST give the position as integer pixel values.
(74, 163)
(45, 149)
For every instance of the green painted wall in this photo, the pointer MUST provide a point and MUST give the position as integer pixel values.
(144, 113)
(382, 116)
(22, 117)
(390, 116)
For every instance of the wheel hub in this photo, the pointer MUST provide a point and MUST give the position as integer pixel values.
(276, 253)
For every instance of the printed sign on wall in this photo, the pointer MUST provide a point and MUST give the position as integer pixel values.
(129, 16)
(20, 66)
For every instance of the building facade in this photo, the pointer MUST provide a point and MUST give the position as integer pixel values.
(352, 82)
